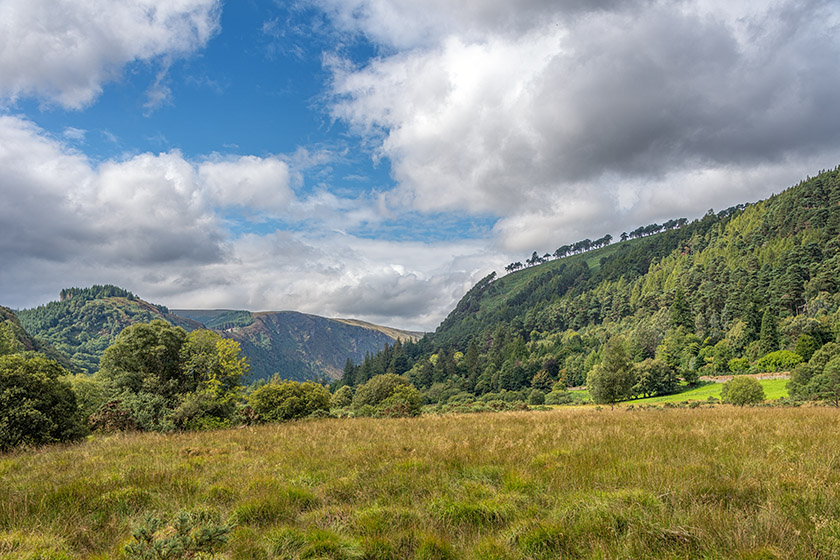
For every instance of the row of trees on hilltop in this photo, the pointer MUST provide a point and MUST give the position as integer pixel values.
(651, 229)
(751, 288)
(563, 251)
(586, 245)
(95, 292)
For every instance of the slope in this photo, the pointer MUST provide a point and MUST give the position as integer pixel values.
(773, 263)
(14, 338)
(85, 321)
(300, 346)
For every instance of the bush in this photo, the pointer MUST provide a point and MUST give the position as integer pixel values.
(742, 390)
(559, 397)
(112, 417)
(90, 393)
(289, 400)
(377, 389)
(739, 365)
(364, 411)
(190, 536)
(342, 397)
(203, 411)
(780, 360)
(36, 406)
(536, 397)
(403, 401)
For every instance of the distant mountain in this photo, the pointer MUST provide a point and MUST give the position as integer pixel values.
(85, 321)
(297, 345)
(395, 334)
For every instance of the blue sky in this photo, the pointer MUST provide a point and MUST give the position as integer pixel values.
(375, 158)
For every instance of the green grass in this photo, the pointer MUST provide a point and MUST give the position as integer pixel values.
(727, 482)
(773, 389)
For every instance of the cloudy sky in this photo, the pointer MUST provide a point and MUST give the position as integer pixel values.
(374, 158)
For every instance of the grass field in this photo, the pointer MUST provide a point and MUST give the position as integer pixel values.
(751, 483)
(773, 389)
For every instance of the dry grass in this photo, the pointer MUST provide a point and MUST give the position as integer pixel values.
(675, 483)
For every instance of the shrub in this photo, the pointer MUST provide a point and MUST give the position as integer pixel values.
(536, 397)
(112, 417)
(826, 385)
(377, 389)
(36, 406)
(289, 400)
(364, 411)
(342, 397)
(559, 397)
(90, 393)
(742, 390)
(780, 360)
(403, 401)
(739, 365)
(190, 536)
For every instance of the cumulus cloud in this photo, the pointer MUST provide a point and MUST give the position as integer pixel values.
(157, 224)
(564, 117)
(248, 181)
(64, 51)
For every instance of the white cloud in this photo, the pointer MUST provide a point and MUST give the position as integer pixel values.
(576, 118)
(248, 181)
(157, 225)
(63, 51)
(74, 134)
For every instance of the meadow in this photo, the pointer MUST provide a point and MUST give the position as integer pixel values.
(773, 389)
(706, 483)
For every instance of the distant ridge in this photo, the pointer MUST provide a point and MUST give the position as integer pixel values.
(85, 321)
(396, 334)
(298, 345)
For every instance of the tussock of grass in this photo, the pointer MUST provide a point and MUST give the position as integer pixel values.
(580, 483)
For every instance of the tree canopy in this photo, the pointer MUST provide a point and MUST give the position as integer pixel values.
(36, 405)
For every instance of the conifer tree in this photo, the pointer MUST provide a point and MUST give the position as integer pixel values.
(681, 315)
(769, 339)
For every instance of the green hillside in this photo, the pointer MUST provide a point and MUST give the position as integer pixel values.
(733, 285)
(85, 321)
(14, 339)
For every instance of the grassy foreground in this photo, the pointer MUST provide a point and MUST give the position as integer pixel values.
(677, 483)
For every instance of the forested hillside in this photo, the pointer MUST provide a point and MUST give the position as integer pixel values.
(85, 321)
(754, 287)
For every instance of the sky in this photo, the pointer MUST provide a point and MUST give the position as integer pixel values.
(373, 159)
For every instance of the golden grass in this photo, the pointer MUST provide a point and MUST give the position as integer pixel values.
(582, 483)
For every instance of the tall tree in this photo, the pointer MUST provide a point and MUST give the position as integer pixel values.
(613, 379)
(681, 315)
(769, 339)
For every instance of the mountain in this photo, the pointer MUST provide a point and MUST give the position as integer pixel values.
(297, 345)
(85, 321)
(713, 295)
